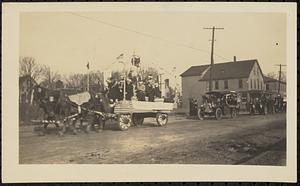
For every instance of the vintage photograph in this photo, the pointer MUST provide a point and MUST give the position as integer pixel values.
(125, 87)
(152, 88)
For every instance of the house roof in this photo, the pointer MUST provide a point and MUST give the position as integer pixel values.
(227, 70)
(195, 71)
(269, 80)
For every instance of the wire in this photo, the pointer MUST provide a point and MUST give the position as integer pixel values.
(144, 34)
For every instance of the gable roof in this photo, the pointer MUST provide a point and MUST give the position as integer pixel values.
(231, 70)
(269, 80)
(227, 70)
(194, 71)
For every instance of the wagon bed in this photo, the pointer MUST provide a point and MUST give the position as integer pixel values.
(133, 112)
(142, 107)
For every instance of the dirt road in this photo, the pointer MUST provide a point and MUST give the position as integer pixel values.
(255, 140)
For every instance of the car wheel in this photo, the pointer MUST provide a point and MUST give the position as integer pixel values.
(200, 114)
(218, 113)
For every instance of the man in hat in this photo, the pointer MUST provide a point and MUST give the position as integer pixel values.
(140, 93)
(129, 89)
(157, 90)
(150, 92)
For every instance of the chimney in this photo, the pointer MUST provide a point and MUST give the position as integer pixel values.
(234, 58)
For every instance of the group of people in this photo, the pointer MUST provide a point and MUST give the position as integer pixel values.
(267, 104)
(141, 90)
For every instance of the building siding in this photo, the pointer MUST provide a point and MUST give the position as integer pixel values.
(192, 88)
(273, 87)
(256, 77)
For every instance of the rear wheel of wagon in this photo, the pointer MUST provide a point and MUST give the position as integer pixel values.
(124, 121)
(137, 120)
(161, 119)
(218, 113)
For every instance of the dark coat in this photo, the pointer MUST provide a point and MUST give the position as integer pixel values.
(150, 92)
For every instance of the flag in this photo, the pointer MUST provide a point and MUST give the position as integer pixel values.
(120, 56)
(88, 65)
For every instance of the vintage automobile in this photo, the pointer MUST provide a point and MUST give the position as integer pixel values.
(218, 104)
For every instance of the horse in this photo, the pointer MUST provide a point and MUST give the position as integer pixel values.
(55, 106)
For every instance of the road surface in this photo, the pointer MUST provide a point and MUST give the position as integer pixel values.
(249, 140)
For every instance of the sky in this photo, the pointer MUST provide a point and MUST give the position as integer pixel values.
(66, 41)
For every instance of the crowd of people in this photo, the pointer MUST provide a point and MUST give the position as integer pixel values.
(135, 88)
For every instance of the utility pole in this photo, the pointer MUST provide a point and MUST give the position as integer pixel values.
(212, 54)
(279, 77)
(88, 77)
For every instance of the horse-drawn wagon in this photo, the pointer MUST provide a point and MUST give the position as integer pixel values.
(89, 111)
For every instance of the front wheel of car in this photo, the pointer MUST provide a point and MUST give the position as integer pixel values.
(200, 114)
(218, 113)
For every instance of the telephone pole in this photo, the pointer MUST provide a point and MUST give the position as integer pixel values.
(279, 77)
(212, 54)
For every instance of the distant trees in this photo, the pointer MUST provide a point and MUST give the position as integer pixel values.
(28, 66)
(52, 79)
(275, 75)
(143, 73)
(75, 80)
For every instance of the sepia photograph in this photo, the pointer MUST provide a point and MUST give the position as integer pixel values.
(166, 86)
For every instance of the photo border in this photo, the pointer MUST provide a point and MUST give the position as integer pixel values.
(12, 171)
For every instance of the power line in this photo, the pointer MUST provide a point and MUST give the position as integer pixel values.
(144, 34)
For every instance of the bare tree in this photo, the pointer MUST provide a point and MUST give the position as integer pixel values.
(96, 77)
(50, 77)
(75, 81)
(275, 75)
(28, 66)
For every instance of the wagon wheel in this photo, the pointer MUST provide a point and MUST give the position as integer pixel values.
(200, 114)
(124, 121)
(161, 119)
(218, 113)
(137, 120)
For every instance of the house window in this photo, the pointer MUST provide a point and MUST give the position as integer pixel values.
(257, 84)
(251, 84)
(240, 83)
(267, 87)
(225, 84)
(216, 85)
(254, 84)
